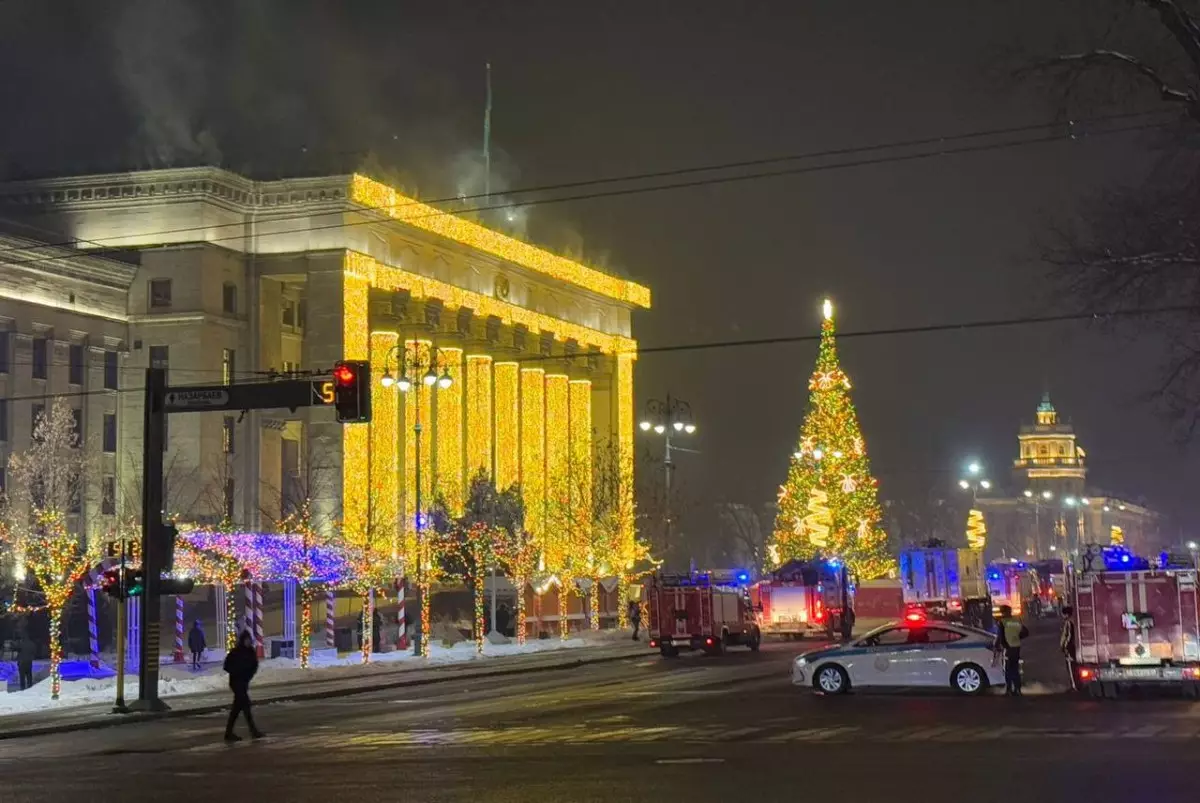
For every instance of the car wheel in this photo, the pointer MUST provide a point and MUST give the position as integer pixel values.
(831, 679)
(670, 652)
(968, 679)
(755, 640)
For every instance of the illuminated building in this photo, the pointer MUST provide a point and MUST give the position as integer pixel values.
(1049, 510)
(291, 275)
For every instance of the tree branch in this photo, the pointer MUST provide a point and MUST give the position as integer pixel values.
(1182, 27)
(1125, 61)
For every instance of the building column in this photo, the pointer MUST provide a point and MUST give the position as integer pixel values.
(479, 415)
(533, 448)
(355, 440)
(580, 428)
(416, 354)
(384, 447)
(449, 464)
(561, 521)
(506, 397)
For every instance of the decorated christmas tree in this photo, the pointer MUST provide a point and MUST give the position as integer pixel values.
(828, 506)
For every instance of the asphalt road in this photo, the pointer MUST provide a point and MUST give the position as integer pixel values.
(697, 728)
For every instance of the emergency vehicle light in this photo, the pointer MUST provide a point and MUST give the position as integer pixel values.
(914, 616)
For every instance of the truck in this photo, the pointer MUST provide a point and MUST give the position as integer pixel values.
(1015, 585)
(1138, 623)
(946, 583)
(1051, 585)
(700, 611)
(802, 598)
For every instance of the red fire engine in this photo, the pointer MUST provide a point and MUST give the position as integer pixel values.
(803, 598)
(700, 611)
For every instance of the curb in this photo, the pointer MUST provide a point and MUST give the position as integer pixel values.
(117, 720)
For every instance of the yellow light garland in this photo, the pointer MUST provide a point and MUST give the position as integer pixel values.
(385, 447)
(533, 449)
(558, 536)
(479, 414)
(507, 418)
(388, 202)
(355, 444)
(449, 431)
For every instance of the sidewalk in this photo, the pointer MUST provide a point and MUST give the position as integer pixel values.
(317, 686)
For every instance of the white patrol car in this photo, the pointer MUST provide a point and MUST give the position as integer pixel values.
(912, 652)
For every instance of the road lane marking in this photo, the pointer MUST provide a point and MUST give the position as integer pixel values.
(689, 761)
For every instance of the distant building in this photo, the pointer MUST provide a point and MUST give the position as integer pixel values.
(1050, 508)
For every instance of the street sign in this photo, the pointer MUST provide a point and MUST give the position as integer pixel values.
(198, 399)
(323, 392)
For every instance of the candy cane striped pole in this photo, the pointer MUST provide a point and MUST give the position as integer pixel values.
(401, 615)
(258, 619)
(248, 603)
(93, 634)
(178, 629)
(330, 620)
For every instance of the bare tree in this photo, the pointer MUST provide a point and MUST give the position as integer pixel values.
(741, 527)
(1138, 247)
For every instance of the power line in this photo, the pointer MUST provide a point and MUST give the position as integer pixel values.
(1069, 134)
(962, 326)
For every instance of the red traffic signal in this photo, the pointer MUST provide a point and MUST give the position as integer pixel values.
(352, 391)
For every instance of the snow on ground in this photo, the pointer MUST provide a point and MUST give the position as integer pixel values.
(91, 686)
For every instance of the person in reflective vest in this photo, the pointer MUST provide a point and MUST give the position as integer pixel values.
(1008, 640)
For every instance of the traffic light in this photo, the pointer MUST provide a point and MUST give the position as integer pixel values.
(135, 583)
(352, 391)
(132, 584)
(110, 582)
(170, 586)
(167, 534)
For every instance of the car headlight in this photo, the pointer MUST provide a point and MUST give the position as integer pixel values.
(801, 661)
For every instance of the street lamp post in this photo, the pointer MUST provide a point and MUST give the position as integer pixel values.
(674, 416)
(408, 373)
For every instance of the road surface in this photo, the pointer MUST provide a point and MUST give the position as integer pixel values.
(693, 729)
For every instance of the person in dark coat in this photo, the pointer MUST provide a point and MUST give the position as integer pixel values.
(241, 663)
(376, 630)
(196, 643)
(25, 655)
(502, 619)
(635, 619)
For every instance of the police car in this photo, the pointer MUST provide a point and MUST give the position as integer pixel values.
(911, 652)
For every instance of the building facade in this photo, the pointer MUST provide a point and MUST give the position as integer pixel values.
(1050, 510)
(229, 279)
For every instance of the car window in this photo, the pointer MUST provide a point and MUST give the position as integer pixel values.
(918, 635)
(892, 637)
(939, 635)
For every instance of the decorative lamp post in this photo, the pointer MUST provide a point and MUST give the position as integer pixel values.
(410, 372)
(672, 417)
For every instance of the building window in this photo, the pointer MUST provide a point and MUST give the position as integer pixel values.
(108, 496)
(73, 504)
(75, 371)
(110, 370)
(3, 420)
(160, 293)
(41, 348)
(229, 298)
(228, 366)
(77, 428)
(110, 433)
(301, 314)
(5, 345)
(289, 313)
(229, 491)
(37, 411)
(227, 434)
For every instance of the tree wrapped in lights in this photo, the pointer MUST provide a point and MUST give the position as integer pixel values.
(47, 481)
(369, 570)
(470, 545)
(214, 568)
(829, 503)
(304, 568)
(520, 556)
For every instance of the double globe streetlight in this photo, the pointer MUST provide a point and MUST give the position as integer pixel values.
(408, 372)
(674, 416)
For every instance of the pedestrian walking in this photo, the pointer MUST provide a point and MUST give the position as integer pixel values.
(635, 618)
(1066, 643)
(196, 643)
(847, 623)
(241, 664)
(1008, 639)
(25, 654)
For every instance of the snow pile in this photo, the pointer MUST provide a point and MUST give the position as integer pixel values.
(83, 686)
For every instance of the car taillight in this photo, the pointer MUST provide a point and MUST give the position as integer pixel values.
(653, 643)
(1085, 673)
(1192, 672)
(708, 641)
(956, 605)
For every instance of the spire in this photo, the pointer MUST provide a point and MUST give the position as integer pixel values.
(1046, 414)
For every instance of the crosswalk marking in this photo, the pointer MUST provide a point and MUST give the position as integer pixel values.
(527, 735)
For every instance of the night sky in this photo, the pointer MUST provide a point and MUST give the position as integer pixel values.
(586, 91)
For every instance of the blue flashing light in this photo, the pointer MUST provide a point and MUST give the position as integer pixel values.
(834, 563)
(743, 577)
(993, 575)
(1125, 558)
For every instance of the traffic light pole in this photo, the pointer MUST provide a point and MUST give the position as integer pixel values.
(349, 380)
(152, 505)
(119, 706)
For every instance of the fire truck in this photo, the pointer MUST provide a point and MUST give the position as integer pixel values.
(1015, 585)
(707, 611)
(946, 584)
(803, 598)
(1137, 623)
